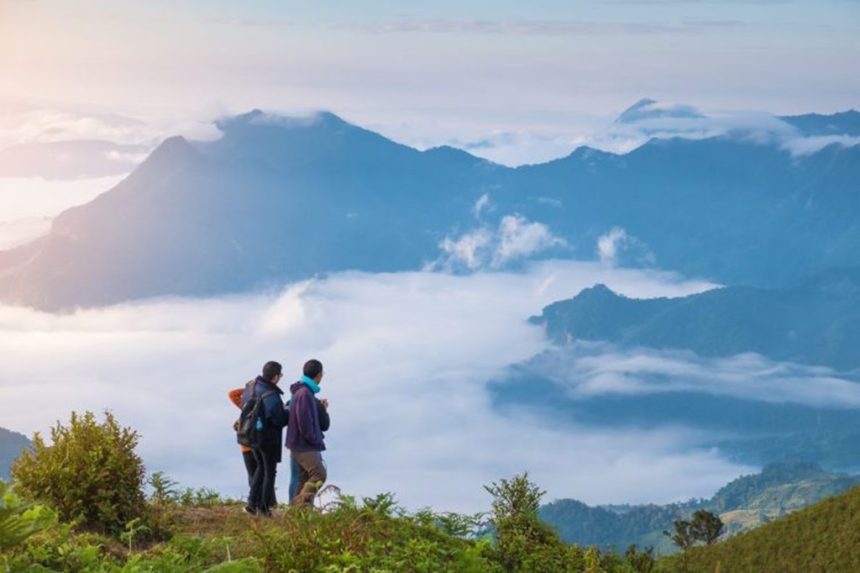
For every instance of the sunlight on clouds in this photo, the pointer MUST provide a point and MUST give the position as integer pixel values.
(26, 197)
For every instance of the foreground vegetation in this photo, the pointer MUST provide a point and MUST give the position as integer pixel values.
(79, 505)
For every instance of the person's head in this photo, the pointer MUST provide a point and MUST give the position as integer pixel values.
(272, 372)
(313, 369)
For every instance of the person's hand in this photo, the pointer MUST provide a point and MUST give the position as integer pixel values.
(325, 403)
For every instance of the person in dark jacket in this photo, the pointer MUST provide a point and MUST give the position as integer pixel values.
(261, 498)
(304, 434)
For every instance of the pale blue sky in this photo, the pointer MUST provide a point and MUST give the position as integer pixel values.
(424, 69)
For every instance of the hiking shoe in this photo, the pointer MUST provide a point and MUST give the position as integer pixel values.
(249, 510)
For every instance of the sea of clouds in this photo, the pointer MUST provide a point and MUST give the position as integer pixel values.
(407, 357)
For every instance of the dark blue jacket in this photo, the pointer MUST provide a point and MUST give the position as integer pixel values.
(275, 415)
(304, 433)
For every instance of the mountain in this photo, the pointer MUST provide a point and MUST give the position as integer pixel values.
(279, 198)
(72, 159)
(814, 124)
(749, 371)
(823, 537)
(813, 321)
(272, 200)
(11, 444)
(743, 504)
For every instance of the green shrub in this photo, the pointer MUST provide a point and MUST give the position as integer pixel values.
(90, 473)
(525, 543)
(20, 520)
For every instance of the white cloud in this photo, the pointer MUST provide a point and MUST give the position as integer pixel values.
(407, 357)
(468, 250)
(41, 124)
(27, 197)
(808, 145)
(520, 238)
(481, 205)
(591, 369)
(618, 247)
(515, 239)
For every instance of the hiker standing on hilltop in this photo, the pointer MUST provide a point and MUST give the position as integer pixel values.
(304, 434)
(268, 447)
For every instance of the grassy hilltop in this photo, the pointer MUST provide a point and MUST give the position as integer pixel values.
(81, 504)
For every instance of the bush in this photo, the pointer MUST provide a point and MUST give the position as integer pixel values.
(20, 520)
(89, 474)
(525, 543)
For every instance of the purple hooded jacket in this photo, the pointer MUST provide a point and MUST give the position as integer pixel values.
(303, 432)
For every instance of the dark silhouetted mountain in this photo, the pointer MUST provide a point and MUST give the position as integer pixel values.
(702, 343)
(814, 321)
(743, 504)
(814, 124)
(11, 445)
(280, 199)
(69, 159)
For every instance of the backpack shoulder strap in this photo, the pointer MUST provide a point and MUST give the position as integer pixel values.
(266, 394)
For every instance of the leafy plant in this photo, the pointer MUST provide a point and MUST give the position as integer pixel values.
(18, 519)
(163, 489)
(133, 529)
(89, 473)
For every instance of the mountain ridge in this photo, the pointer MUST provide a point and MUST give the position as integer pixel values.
(193, 210)
(745, 503)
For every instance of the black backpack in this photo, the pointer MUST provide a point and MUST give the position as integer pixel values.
(252, 420)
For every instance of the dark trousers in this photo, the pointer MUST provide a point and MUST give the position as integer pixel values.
(312, 475)
(250, 465)
(262, 496)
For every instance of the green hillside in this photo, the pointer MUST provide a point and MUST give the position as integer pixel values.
(744, 503)
(824, 537)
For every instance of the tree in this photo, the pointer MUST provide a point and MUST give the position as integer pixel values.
(706, 527)
(683, 534)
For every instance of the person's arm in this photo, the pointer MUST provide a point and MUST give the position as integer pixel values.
(275, 411)
(325, 420)
(236, 396)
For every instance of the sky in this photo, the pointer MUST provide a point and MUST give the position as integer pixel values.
(543, 72)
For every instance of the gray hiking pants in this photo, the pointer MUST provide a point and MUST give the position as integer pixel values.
(312, 475)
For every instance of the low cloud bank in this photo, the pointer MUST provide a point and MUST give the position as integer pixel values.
(407, 356)
(589, 369)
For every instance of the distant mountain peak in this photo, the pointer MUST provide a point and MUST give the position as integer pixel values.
(647, 108)
(171, 152)
(454, 154)
(259, 118)
(599, 290)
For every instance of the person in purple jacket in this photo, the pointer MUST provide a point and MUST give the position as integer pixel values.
(304, 434)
